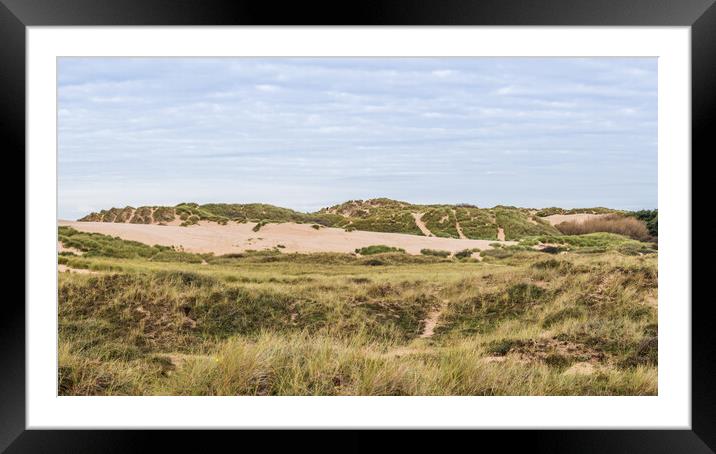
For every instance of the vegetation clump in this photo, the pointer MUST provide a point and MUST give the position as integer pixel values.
(435, 252)
(378, 249)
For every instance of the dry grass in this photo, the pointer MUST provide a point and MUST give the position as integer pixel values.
(301, 324)
(613, 223)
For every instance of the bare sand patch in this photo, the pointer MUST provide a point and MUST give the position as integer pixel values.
(458, 227)
(207, 237)
(67, 269)
(421, 225)
(63, 248)
(432, 321)
(501, 234)
(555, 219)
(582, 368)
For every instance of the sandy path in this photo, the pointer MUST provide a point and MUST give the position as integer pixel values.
(501, 234)
(225, 239)
(432, 321)
(421, 225)
(579, 217)
(64, 269)
(458, 228)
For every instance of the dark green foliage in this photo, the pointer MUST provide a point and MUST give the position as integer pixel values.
(465, 253)
(96, 244)
(503, 346)
(377, 249)
(435, 252)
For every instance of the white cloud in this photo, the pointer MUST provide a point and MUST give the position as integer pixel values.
(267, 88)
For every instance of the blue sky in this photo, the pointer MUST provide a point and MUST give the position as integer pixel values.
(309, 133)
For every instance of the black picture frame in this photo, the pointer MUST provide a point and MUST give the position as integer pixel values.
(700, 15)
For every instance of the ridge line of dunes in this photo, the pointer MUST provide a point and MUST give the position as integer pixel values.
(373, 215)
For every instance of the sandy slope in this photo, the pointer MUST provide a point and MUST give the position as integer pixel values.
(580, 217)
(224, 239)
(421, 225)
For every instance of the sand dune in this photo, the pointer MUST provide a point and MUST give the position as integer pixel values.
(579, 217)
(224, 239)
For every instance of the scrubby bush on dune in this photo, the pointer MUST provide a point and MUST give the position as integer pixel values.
(465, 253)
(435, 252)
(377, 249)
(191, 220)
(613, 223)
(163, 214)
(96, 244)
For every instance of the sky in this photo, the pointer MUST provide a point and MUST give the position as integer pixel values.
(310, 133)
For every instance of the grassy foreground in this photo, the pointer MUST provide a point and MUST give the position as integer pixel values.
(160, 322)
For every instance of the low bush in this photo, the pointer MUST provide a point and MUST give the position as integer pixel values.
(435, 252)
(377, 249)
(258, 225)
(465, 253)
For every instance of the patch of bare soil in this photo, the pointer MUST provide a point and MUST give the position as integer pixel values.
(549, 349)
(582, 368)
(421, 225)
(67, 269)
(555, 219)
(458, 228)
(432, 321)
(62, 248)
(501, 234)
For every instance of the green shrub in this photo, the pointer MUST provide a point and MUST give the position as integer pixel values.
(465, 253)
(377, 249)
(258, 225)
(96, 244)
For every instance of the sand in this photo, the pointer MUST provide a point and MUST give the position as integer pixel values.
(578, 218)
(421, 225)
(224, 239)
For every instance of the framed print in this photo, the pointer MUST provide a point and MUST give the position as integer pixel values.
(405, 216)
